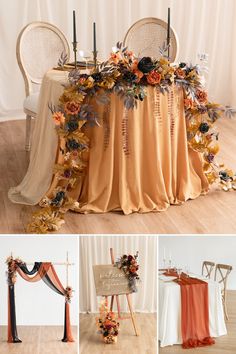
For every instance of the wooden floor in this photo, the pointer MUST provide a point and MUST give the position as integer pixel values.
(224, 345)
(38, 340)
(128, 343)
(214, 213)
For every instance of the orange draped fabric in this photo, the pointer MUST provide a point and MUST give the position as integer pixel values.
(68, 337)
(194, 311)
(43, 270)
(139, 160)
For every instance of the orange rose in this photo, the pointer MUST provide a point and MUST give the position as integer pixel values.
(115, 57)
(180, 73)
(129, 54)
(72, 107)
(133, 269)
(58, 118)
(201, 96)
(139, 75)
(188, 103)
(154, 77)
(136, 71)
(82, 80)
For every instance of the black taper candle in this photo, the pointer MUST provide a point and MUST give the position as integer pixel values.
(168, 33)
(74, 28)
(94, 37)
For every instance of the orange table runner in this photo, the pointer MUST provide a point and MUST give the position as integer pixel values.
(194, 311)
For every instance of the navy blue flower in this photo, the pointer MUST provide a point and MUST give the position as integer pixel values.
(129, 77)
(224, 176)
(204, 127)
(58, 198)
(72, 144)
(71, 126)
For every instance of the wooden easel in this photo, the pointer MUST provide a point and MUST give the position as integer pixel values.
(128, 297)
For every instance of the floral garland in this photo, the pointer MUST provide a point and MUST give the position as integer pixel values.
(12, 264)
(128, 77)
(107, 325)
(130, 267)
(68, 294)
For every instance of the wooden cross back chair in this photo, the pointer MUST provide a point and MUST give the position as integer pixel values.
(207, 268)
(222, 272)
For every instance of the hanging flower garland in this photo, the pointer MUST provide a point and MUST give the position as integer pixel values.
(107, 325)
(12, 265)
(68, 294)
(129, 265)
(128, 77)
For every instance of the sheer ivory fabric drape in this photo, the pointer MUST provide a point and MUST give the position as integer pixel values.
(203, 26)
(96, 250)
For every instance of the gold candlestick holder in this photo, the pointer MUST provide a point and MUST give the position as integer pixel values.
(95, 53)
(75, 52)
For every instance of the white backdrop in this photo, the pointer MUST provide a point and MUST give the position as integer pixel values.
(96, 250)
(203, 26)
(36, 303)
(191, 251)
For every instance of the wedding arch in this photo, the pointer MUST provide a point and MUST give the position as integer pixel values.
(41, 271)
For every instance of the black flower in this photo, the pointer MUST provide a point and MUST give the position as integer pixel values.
(97, 77)
(204, 127)
(72, 144)
(146, 65)
(71, 125)
(58, 198)
(129, 77)
(224, 175)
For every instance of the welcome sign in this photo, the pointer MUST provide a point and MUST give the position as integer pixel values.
(110, 280)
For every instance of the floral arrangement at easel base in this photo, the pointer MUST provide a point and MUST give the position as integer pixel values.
(129, 265)
(107, 325)
(128, 77)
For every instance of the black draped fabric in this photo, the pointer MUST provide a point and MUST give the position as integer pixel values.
(34, 270)
(49, 283)
(12, 329)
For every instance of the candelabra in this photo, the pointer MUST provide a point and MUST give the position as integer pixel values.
(75, 52)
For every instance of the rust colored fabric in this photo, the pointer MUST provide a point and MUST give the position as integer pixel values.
(67, 326)
(194, 311)
(43, 270)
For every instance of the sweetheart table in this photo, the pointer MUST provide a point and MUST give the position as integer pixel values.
(170, 311)
(138, 161)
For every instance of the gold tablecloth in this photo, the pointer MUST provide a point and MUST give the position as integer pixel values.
(139, 160)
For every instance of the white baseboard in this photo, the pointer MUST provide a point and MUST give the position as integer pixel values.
(12, 115)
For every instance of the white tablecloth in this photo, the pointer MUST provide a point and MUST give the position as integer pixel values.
(170, 312)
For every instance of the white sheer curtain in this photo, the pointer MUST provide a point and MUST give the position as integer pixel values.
(203, 26)
(96, 250)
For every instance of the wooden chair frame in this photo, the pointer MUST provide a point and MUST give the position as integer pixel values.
(207, 267)
(223, 270)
